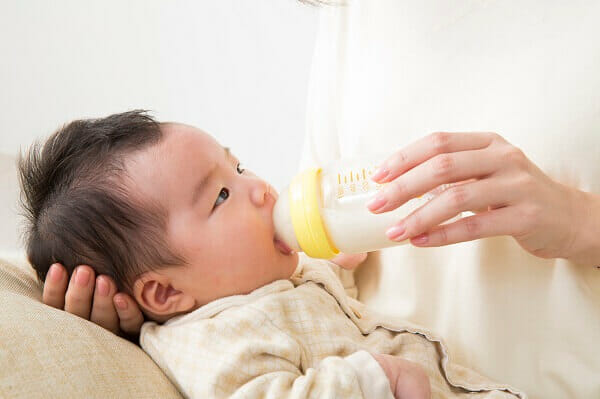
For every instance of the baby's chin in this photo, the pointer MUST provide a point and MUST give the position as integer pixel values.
(293, 264)
(287, 258)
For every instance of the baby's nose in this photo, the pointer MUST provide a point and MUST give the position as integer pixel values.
(260, 192)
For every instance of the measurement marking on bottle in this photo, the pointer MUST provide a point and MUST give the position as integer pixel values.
(353, 184)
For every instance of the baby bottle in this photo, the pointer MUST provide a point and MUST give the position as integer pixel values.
(323, 210)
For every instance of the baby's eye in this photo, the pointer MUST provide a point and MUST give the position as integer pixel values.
(223, 195)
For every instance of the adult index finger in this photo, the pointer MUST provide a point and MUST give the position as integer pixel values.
(428, 147)
(130, 315)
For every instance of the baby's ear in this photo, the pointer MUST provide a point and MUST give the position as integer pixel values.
(155, 294)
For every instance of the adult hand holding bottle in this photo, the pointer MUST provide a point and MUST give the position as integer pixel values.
(507, 192)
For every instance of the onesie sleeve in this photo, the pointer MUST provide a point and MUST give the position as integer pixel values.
(371, 377)
(249, 357)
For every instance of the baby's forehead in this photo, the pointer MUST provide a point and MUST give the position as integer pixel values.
(185, 138)
(176, 162)
(168, 128)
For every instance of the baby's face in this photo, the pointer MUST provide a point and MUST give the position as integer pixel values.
(220, 218)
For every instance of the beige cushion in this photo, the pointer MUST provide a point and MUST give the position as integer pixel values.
(45, 352)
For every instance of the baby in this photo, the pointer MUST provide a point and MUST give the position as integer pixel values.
(174, 219)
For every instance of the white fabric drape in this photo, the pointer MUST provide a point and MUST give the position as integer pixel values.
(387, 72)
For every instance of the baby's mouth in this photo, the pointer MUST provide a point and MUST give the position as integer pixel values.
(282, 247)
(279, 244)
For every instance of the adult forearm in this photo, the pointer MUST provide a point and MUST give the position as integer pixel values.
(585, 248)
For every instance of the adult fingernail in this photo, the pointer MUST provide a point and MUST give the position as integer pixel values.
(54, 273)
(395, 232)
(377, 202)
(102, 286)
(380, 174)
(121, 303)
(82, 277)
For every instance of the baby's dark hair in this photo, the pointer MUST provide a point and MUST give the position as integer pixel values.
(78, 208)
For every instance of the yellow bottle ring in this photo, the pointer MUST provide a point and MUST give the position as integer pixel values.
(306, 215)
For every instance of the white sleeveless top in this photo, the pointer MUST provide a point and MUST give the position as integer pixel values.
(387, 72)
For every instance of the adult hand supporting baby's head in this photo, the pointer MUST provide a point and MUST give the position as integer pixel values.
(93, 299)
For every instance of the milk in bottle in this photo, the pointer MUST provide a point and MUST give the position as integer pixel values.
(323, 210)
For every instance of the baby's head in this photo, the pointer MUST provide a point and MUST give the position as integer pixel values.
(162, 208)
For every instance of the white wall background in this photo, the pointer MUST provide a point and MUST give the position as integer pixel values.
(236, 68)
